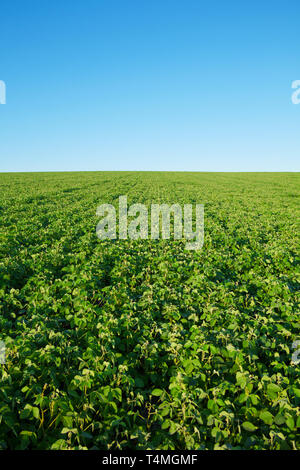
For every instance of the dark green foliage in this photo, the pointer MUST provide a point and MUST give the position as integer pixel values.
(143, 344)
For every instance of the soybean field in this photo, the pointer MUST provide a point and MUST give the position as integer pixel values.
(143, 344)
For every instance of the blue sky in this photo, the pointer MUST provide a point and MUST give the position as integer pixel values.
(149, 85)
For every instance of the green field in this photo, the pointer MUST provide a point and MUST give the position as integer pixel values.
(143, 344)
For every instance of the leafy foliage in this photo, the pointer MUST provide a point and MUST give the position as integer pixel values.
(143, 344)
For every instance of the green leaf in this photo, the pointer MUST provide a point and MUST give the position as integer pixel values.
(272, 391)
(241, 379)
(249, 426)
(36, 412)
(157, 392)
(266, 417)
(189, 366)
(166, 424)
(59, 444)
(279, 419)
(173, 428)
(114, 406)
(65, 430)
(117, 393)
(290, 423)
(26, 412)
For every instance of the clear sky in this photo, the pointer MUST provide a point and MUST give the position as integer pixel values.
(149, 85)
